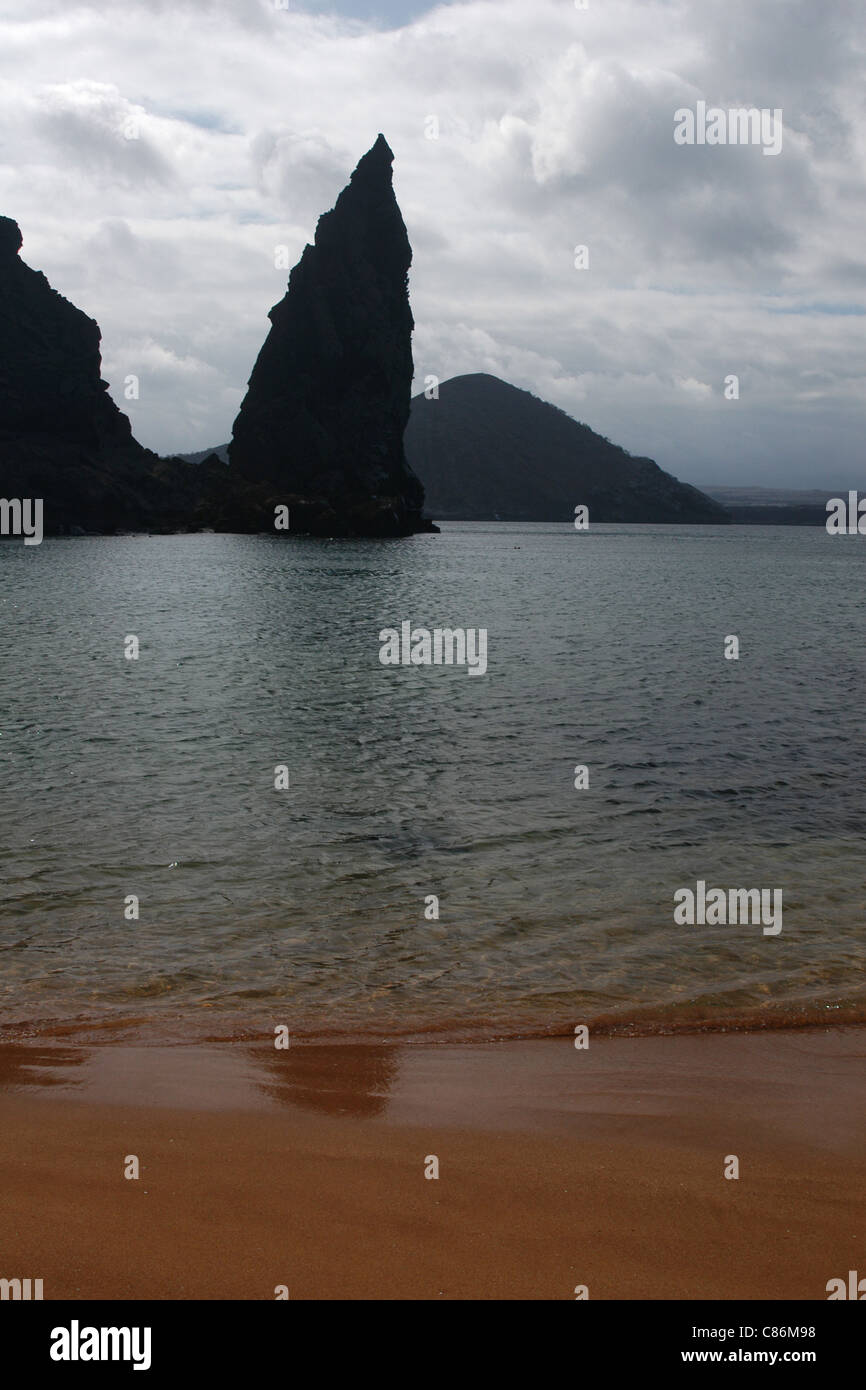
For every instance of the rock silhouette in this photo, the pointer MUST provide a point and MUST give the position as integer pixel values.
(62, 438)
(321, 427)
(50, 382)
(488, 451)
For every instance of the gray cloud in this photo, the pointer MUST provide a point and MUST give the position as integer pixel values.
(555, 128)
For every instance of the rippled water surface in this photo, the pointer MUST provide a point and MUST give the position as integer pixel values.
(306, 906)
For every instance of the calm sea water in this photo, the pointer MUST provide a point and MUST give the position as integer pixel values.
(306, 906)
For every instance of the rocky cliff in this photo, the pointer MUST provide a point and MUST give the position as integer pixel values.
(62, 438)
(50, 382)
(321, 427)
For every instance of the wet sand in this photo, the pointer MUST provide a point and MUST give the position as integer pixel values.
(557, 1168)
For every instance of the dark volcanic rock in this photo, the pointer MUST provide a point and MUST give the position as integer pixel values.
(488, 451)
(50, 383)
(11, 239)
(62, 438)
(321, 426)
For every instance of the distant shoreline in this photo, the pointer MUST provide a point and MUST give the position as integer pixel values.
(769, 516)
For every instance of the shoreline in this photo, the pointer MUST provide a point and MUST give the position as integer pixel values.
(193, 1026)
(558, 1167)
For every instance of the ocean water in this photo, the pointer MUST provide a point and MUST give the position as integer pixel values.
(306, 906)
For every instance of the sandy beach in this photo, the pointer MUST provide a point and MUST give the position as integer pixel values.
(557, 1168)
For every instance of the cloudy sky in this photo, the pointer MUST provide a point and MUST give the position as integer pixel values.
(555, 129)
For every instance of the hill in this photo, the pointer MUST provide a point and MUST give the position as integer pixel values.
(489, 451)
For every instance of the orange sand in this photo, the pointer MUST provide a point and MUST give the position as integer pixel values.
(557, 1168)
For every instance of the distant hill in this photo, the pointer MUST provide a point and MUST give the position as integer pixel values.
(766, 506)
(221, 451)
(488, 451)
(774, 496)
